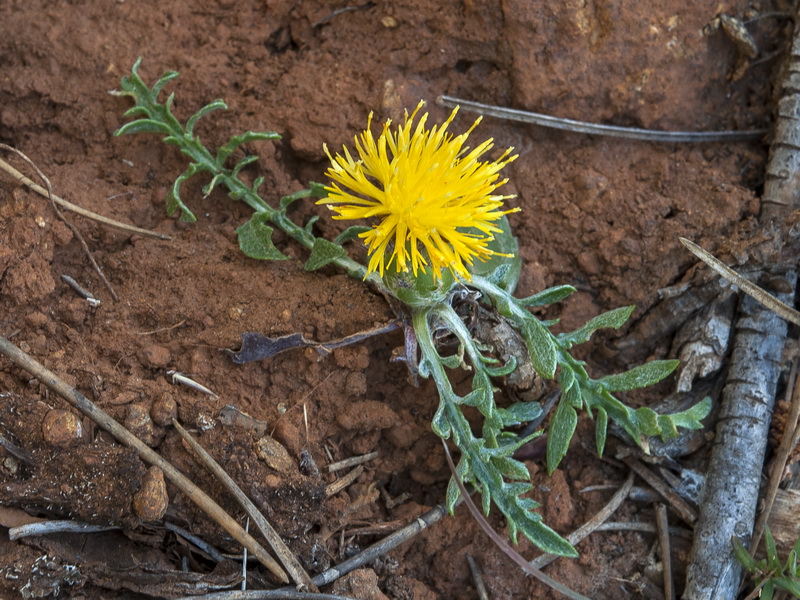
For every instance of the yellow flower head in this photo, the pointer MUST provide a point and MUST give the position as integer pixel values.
(433, 197)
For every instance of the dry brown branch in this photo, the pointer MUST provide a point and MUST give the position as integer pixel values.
(477, 578)
(194, 493)
(289, 560)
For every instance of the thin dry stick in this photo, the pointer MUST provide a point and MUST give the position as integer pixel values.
(592, 524)
(500, 542)
(268, 595)
(351, 462)
(678, 504)
(666, 559)
(51, 527)
(631, 133)
(779, 462)
(74, 207)
(289, 560)
(771, 302)
(390, 542)
(194, 493)
(477, 578)
(341, 483)
(60, 215)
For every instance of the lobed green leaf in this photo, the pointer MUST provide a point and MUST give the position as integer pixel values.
(255, 239)
(323, 253)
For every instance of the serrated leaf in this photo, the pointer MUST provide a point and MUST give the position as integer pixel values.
(504, 369)
(247, 160)
(486, 500)
(215, 181)
(309, 226)
(560, 433)
(639, 377)
(237, 140)
(350, 233)
(548, 540)
(570, 390)
(613, 319)
(451, 497)
(453, 361)
(692, 417)
(548, 296)
(159, 85)
(600, 430)
(439, 423)
(323, 253)
(255, 239)
(174, 201)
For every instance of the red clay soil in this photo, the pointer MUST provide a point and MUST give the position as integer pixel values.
(601, 214)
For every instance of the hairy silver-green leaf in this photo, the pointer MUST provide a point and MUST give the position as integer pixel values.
(639, 377)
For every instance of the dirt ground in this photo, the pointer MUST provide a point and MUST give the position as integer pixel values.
(601, 214)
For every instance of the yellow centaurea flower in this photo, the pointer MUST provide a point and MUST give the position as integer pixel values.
(433, 198)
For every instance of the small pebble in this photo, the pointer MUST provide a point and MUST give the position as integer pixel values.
(62, 428)
(150, 501)
(275, 455)
(157, 356)
(139, 423)
(164, 409)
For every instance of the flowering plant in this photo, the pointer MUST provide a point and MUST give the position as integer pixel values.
(439, 242)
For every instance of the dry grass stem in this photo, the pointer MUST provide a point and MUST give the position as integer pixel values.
(662, 526)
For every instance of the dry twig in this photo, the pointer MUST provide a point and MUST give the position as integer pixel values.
(662, 526)
(678, 504)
